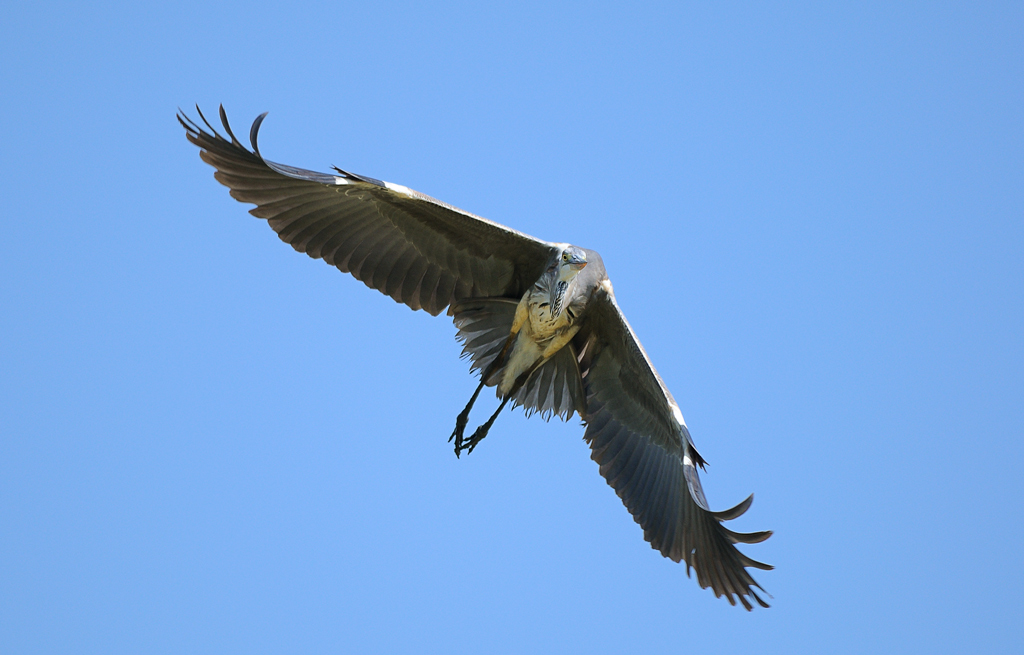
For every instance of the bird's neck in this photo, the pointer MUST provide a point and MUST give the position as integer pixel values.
(564, 279)
(557, 296)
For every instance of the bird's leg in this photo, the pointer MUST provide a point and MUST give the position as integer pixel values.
(463, 417)
(481, 432)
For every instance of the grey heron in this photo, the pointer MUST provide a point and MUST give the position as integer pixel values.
(538, 319)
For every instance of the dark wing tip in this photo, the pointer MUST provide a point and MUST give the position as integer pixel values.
(721, 565)
(748, 538)
(219, 147)
(216, 150)
(206, 122)
(734, 512)
(227, 126)
(192, 129)
(254, 132)
(195, 131)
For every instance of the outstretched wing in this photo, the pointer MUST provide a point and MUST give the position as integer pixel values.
(637, 436)
(418, 250)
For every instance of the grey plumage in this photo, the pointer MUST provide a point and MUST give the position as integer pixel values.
(556, 350)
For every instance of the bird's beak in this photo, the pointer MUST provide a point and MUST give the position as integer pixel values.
(578, 266)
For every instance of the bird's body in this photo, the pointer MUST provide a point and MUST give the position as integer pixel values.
(538, 319)
(545, 319)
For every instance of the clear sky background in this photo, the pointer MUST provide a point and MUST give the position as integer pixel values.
(814, 219)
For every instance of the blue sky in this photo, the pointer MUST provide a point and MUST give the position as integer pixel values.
(813, 217)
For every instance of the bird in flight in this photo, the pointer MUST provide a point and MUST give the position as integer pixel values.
(538, 320)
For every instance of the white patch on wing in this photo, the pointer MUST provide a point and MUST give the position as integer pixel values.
(342, 180)
(398, 188)
(687, 461)
(678, 415)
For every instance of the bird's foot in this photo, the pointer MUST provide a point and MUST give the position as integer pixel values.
(458, 434)
(469, 444)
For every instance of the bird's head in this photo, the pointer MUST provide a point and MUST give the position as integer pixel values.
(571, 262)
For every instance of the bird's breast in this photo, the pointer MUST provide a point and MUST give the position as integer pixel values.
(544, 323)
